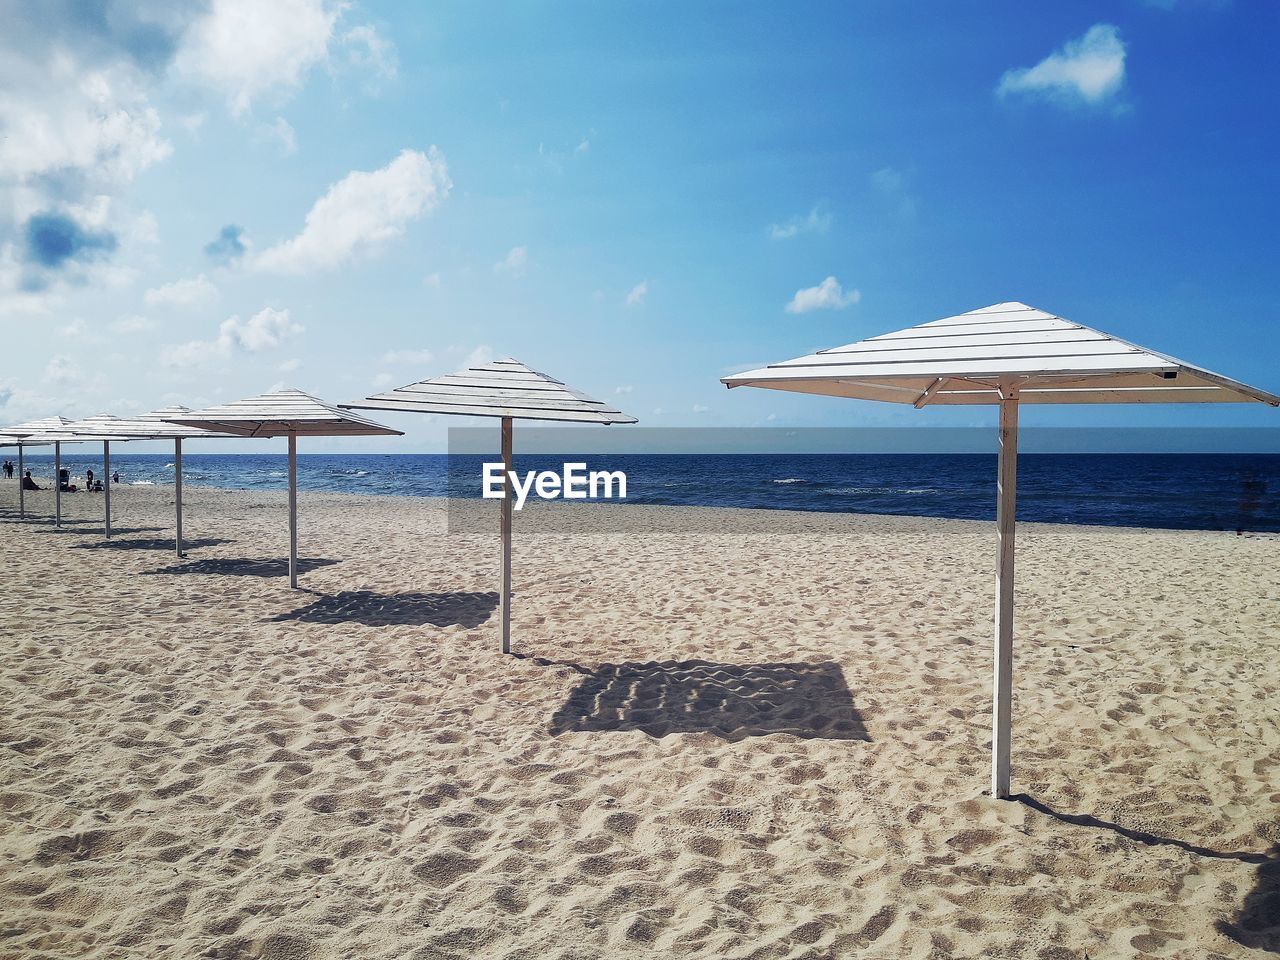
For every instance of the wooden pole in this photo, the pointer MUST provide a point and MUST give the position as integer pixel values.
(57, 484)
(506, 535)
(293, 511)
(177, 495)
(22, 490)
(1002, 686)
(106, 487)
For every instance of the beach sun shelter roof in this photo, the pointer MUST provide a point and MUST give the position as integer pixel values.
(1006, 354)
(23, 435)
(284, 413)
(145, 426)
(509, 390)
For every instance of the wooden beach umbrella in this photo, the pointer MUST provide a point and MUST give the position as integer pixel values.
(42, 432)
(13, 437)
(284, 413)
(147, 426)
(508, 390)
(1006, 354)
(100, 428)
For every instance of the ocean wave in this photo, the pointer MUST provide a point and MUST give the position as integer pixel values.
(141, 483)
(791, 480)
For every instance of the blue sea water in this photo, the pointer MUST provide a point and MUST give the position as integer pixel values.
(1175, 491)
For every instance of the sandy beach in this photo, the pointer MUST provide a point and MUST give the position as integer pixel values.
(731, 745)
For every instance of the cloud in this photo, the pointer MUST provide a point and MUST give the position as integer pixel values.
(290, 365)
(828, 295)
(368, 51)
(246, 49)
(1088, 70)
(361, 211)
(478, 357)
(131, 325)
(891, 183)
(817, 220)
(62, 371)
(384, 380)
(52, 239)
(583, 146)
(514, 263)
(622, 390)
(408, 356)
(266, 329)
(182, 293)
(432, 280)
(699, 408)
(228, 246)
(638, 293)
(280, 133)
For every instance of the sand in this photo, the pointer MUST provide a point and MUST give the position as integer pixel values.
(746, 745)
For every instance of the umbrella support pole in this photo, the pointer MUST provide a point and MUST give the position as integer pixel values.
(106, 488)
(177, 495)
(505, 596)
(57, 484)
(1002, 685)
(22, 490)
(293, 511)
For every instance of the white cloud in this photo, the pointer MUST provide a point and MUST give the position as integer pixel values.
(622, 390)
(384, 380)
(247, 48)
(828, 295)
(431, 280)
(408, 356)
(279, 132)
(266, 329)
(1087, 70)
(76, 328)
(583, 146)
(891, 183)
(132, 325)
(478, 357)
(368, 50)
(514, 263)
(182, 293)
(817, 220)
(61, 370)
(290, 365)
(699, 408)
(638, 293)
(362, 211)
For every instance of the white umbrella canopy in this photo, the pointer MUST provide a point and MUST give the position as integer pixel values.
(145, 426)
(1006, 354)
(283, 413)
(42, 432)
(509, 390)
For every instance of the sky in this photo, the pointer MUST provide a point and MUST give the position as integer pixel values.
(202, 201)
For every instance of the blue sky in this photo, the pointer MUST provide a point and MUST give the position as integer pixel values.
(201, 201)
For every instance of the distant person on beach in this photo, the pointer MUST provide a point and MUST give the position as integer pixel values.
(88, 480)
(28, 483)
(115, 476)
(8, 469)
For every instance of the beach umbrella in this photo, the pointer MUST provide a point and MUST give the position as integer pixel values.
(146, 426)
(509, 390)
(1007, 354)
(12, 437)
(42, 432)
(283, 413)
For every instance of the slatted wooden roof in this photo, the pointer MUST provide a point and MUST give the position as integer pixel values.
(44, 430)
(147, 426)
(504, 388)
(279, 414)
(960, 359)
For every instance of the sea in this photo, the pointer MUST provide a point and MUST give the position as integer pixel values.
(1172, 491)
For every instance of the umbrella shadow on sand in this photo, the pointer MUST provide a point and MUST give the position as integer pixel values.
(730, 700)
(1257, 924)
(397, 609)
(154, 543)
(228, 567)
